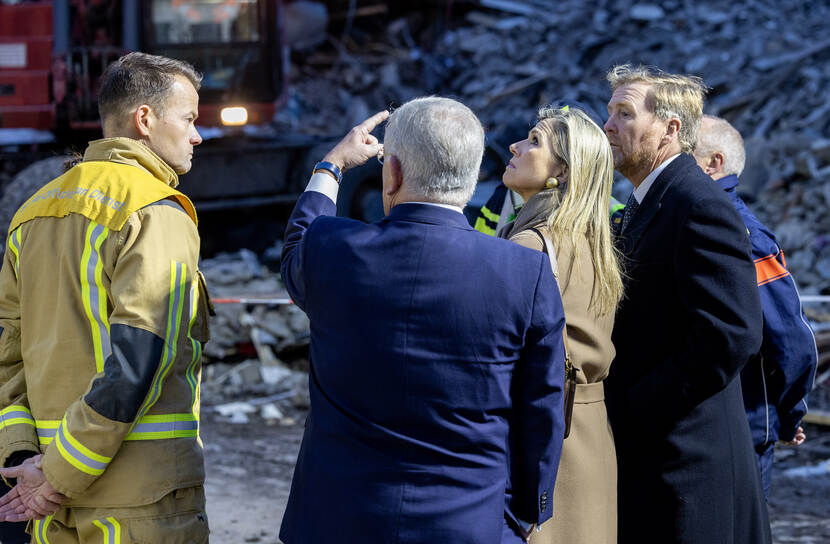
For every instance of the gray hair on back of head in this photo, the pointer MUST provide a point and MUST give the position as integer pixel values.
(721, 136)
(439, 143)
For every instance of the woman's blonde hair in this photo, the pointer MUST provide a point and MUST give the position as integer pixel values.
(582, 207)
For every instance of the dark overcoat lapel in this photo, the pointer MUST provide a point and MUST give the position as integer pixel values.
(649, 208)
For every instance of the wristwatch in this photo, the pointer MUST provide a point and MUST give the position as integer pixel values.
(329, 167)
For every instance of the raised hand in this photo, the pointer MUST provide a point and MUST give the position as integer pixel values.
(358, 145)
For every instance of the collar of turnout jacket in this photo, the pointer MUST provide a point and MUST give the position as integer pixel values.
(117, 177)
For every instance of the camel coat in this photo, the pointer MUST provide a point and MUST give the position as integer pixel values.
(585, 496)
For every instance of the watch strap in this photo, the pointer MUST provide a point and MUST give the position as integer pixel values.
(329, 167)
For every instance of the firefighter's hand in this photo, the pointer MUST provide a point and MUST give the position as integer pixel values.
(358, 146)
(33, 497)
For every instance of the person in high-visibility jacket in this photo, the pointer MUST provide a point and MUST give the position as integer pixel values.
(776, 384)
(104, 314)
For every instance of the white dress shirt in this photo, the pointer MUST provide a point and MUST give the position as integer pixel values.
(641, 191)
(324, 183)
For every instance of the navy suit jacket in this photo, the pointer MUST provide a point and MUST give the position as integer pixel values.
(435, 350)
(689, 322)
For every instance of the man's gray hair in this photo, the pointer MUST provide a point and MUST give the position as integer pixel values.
(717, 134)
(139, 78)
(439, 143)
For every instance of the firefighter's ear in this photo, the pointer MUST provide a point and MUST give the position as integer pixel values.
(142, 119)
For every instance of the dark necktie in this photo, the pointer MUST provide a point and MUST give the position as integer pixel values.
(630, 208)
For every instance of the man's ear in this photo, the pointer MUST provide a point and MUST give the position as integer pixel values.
(142, 120)
(672, 130)
(714, 163)
(395, 176)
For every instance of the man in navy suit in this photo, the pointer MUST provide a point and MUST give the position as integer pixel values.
(690, 321)
(418, 389)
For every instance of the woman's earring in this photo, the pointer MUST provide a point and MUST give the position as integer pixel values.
(551, 183)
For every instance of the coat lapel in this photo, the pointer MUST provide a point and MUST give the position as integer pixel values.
(652, 203)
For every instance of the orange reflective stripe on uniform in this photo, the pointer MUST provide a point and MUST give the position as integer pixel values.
(94, 294)
(768, 269)
(78, 455)
(15, 414)
(178, 274)
(14, 245)
(197, 349)
(39, 530)
(111, 529)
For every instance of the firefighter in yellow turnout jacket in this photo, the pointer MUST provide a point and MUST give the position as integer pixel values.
(104, 314)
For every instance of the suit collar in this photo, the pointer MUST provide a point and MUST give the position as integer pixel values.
(652, 202)
(424, 213)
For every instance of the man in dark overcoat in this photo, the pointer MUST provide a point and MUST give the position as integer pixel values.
(689, 322)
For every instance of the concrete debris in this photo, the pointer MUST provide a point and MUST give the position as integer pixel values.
(647, 12)
(274, 334)
(272, 415)
(256, 350)
(274, 374)
(237, 412)
(270, 411)
(227, 381)
(811, 471)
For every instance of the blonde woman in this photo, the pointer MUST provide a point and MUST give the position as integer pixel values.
(564, 170)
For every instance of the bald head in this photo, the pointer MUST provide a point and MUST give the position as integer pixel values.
(720, 148)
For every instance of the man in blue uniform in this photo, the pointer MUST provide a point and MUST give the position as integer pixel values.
(775, 384)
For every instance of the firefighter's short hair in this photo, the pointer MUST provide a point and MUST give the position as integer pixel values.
(140, 78)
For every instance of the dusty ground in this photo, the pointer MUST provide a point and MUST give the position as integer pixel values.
(249, 471)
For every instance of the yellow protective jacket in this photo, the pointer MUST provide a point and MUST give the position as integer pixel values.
(103, 314)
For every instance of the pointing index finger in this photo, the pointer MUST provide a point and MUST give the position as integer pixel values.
(369, 124)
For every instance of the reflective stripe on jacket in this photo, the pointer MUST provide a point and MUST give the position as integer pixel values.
(775, 386)
(487, 220)
(103, 314)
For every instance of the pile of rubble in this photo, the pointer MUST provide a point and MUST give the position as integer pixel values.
(796, 204)
(259, 342)
(766, 62)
